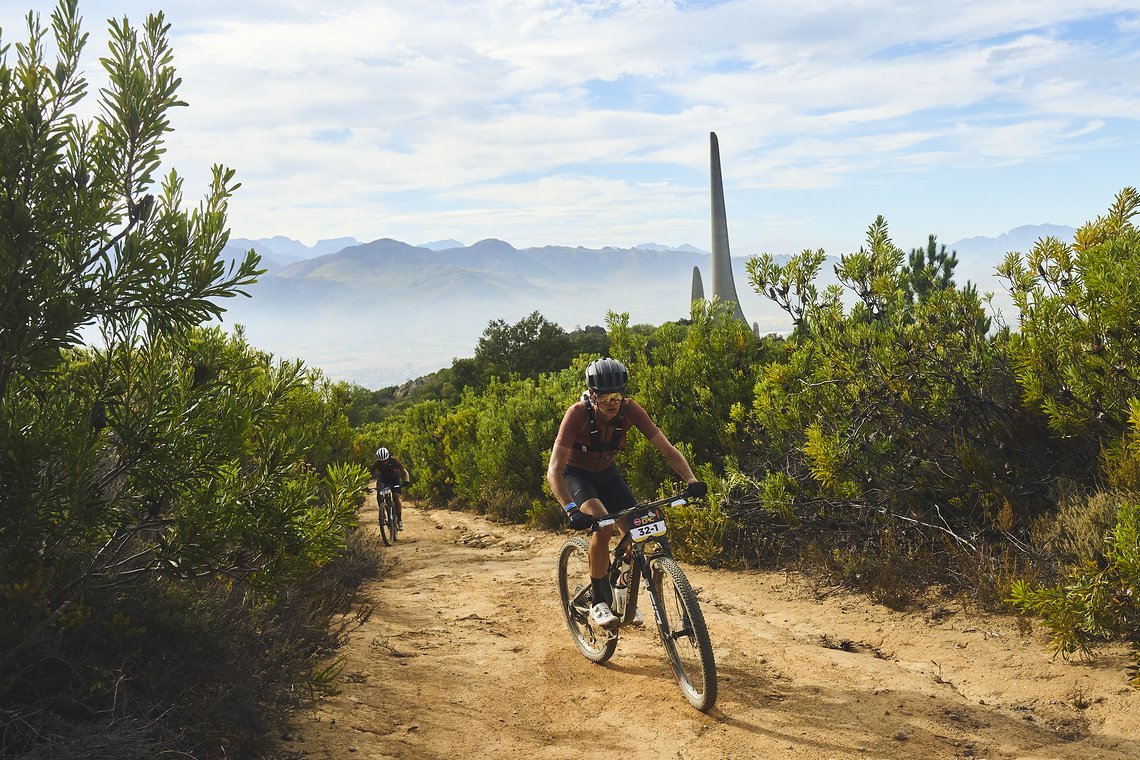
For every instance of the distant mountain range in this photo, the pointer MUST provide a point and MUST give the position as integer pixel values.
(978, 256)
(279, 251)
(383, 312)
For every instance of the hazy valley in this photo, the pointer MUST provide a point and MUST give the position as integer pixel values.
(384, 312)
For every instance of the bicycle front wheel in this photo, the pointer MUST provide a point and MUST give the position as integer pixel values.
(387, 519)
(593, 641)
(683, 632)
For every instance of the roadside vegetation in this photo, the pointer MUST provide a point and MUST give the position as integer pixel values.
(899, 440)
(177, 508)
(178, 526)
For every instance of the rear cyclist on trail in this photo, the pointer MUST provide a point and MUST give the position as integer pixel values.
(582, 474)
(389, 471)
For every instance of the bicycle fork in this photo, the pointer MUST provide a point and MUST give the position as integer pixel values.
(641, 569)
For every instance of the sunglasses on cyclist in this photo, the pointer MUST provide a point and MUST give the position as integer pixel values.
(609, 398)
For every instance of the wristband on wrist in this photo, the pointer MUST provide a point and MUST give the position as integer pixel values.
(570, 507)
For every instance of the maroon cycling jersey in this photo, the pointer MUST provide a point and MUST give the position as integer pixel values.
(595, 453)
(390, 471)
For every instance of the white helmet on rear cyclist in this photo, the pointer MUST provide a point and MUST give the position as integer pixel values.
(382, 453)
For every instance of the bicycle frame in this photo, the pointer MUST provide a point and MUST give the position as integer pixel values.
(385, 506)
(636, 553)
(643, 551)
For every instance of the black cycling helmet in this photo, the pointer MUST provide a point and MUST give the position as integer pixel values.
(606, 376)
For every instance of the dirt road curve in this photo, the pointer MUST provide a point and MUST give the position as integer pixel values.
(467, 656)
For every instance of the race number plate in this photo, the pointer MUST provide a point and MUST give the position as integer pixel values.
(647, 525)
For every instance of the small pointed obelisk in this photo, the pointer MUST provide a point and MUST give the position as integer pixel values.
(698, 285)
(723, 286)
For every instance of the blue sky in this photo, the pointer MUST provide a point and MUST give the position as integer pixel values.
(587, 123)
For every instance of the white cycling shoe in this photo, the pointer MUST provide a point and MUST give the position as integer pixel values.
(638, 620)
(602, 615)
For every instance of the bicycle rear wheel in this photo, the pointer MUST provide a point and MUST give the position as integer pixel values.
(387, 522)
(594, 642)
(683, 632)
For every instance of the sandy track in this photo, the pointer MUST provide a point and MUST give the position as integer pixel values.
(467, 656)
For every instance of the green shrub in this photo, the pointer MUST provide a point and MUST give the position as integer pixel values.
(696, 532)
(1077, 347)
(1122, 456)
(1097, 601)
(164, 497)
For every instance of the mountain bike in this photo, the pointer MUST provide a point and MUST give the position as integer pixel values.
(642, 555)
(386, 507)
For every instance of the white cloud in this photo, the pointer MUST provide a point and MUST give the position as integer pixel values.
(567, 122)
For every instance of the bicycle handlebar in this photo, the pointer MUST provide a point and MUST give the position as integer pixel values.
(607, 520)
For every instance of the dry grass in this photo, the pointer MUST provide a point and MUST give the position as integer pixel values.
(192, 669)
(1076, 531)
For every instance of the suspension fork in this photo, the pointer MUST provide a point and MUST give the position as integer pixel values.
(642, 569)
(642, 563)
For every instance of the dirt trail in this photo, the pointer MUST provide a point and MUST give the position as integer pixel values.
(467, 656)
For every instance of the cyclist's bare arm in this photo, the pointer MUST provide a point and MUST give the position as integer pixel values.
(558, 458)
(673, 457)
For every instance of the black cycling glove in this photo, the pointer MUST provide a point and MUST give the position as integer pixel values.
(696, 489)
(579, 520)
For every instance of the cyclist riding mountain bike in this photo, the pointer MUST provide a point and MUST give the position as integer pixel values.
(389, 471)
(582, 474)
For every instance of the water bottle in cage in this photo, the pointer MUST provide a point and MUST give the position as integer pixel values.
(621, 586)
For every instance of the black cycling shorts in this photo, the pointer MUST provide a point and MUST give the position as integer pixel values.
(607, 485)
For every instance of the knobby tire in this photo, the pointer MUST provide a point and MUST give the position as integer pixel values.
(387, 519)
(594, 642)
(683, 633)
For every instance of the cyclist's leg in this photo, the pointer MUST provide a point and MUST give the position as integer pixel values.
(580, 483)
(601, 612)
(599, 541)
(615, 493)
(399, 508)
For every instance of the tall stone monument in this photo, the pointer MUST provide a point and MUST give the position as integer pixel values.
(723, 286)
